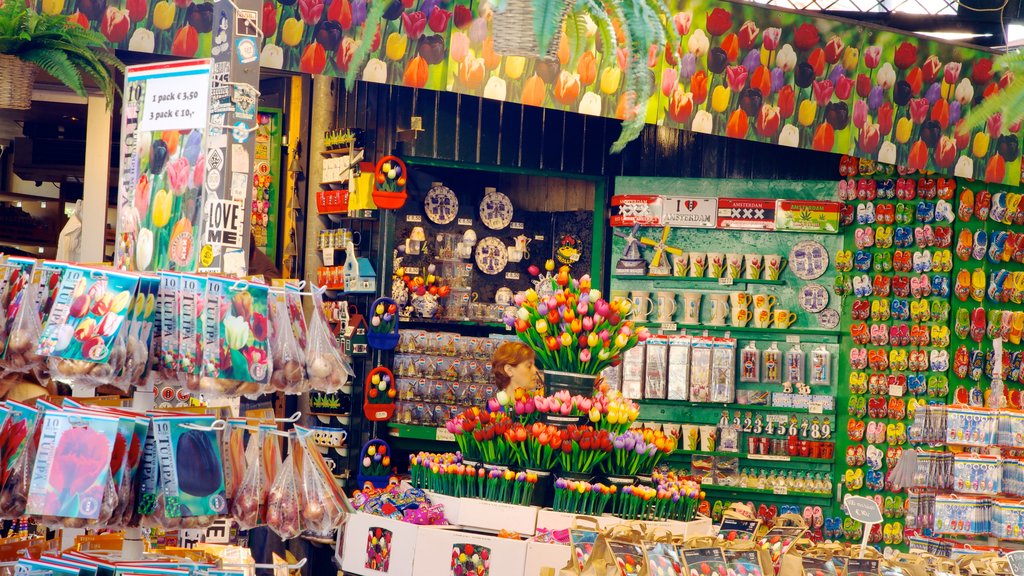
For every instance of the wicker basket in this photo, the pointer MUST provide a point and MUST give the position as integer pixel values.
(513, 32)
(16, 80)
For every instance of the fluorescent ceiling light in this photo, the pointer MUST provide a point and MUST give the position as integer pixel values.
(1014, 34)
(957, 35)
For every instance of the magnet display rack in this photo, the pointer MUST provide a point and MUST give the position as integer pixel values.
(344, 409)
(565, 207)
(806, 331)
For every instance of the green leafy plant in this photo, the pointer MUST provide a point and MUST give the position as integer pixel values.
(60, 47)
(1009, 100)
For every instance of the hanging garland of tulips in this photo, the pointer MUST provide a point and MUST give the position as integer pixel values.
(575, 329)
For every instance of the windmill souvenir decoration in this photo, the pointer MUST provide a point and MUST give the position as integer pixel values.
(631, 263)
(660, 264)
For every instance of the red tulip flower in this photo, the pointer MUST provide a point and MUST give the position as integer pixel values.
(345, 51)
(137, 9)
(905, 56)
(719, 21)
(940, 113)
(931, 68)
(869, 138)
(844, 87)
(787, 101)
(699, 86)
(748, 34)
(885, 118)
(872, 56)
(1005, 80)
(567, 88)
(414, 23)
(963, 135)
(310, 10)
(736, 76)
(186, 42)
(806, 36)
(680, 105)
(918, 158)
(341, 12)
(994, 124)
(80, 19)
(770, 38)
(731, 46)
(463, 16)
(269, 21)
(915, 78)
(817, 61)
(822, 91)
(738, 125)
(115, 25)
(761, 80)
(918, 110)
(981, 72)
(863, 85)
(768, 121)
(834, 49)
(314, 59)
(438, 20)
(951, 73)
(945, 152)
(416, 73)
(995, 171)
(824, 138)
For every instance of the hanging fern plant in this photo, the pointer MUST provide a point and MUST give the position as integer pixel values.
(58, 46)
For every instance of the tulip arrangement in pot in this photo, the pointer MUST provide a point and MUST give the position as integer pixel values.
(574, 331)
(56, 44)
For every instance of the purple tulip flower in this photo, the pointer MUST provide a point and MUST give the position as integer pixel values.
(954, 112)
(875, 98)
(358, 13)
(933, 94)
(778, 78)
(688, 66)
(837, 71)
(752, 60)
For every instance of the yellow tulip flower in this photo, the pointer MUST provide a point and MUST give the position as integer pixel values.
(291, 32)
(720, 99)
(980, 145)
(610, 80)
(808, 110)
(851, 58)
(514, 67)
(162, 202)
(396, 45)
(163, 15)
(903, 129)
(53, 6)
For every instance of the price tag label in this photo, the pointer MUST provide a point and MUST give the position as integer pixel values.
(415, 218)
(769, 457)
(669, 327)
(725, 281)
(1016, 562)
(815, 407)
(777, 418)
(792, 339)
(512, 276)
(328, 256)
(707, 480)
(538, 237)
(515, 225)
(862, 509)
(781, 490)
(895, 390)
(443, 435)
(412, 270)
(465, 221)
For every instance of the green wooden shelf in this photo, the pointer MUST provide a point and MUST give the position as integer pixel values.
(477, 323)
(414, 432)
(695, 280)
(752, 457)
(678, 410)
(744, 490)
(778, 334)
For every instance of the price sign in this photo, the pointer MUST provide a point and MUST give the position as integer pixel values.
(465, 222)
(815, 407)
(1016, 562)
(782, 490)
(414, 218)
(862, 509)
(725, 281)
(443, 435)
(328, 256)
(792, 339)
(895, 390)
(669, 327)
(176, 101)
(769, 457)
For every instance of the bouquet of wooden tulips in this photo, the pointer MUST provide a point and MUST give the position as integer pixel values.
(675, 501)
(578, 497)
(484, 436)
(521, 406)
(583, 448)
(447, 474)
(638, 451)
(574, 329)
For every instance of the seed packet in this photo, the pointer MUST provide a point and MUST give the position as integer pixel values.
(127, 494)
(190, 306)
(818, 566)
(87, 314)
(328, 368)
(704, 562)
(737, 529)
(233, 446)
(190, 469)
(743, 563)
(148, 497)
(137, 336)
(283, 508)
(72, 465)
(47, 276)
(166, 323)
(235, 346)
(41, 566)
(663, 559)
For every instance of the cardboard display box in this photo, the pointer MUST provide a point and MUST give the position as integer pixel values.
(440, 550)
(376, 546)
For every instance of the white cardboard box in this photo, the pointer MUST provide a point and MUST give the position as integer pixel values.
(452, 506)
(377, 546)
(496, 516)
(440, 550)
(540, 556)
(551, 520)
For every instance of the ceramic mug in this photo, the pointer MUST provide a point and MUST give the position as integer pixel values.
(698, 264)
(763, 302)
(680, 264)
(719, 309)
(754, 266)
(762, 317)
(740, 317)
(642, 304)
(740, 300)
(716, 264)
(691, 307)
(666, 302)
(619, 294)
(773, 265)
(734, 265)
(784, 318)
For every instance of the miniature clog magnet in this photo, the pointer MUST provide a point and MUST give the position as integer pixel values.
(964, 245)
(903, 236)
(940, 286)
(924, 236)
(884, 237)
(903, 261)
(982, 203)
(901, 286)
(883, 262)
(904, 214)
(887, 188)
(861, 309)
(978, 324)
(977, 284)
(846, 214)
(945, 188)
(966, 208)
(881, 286)
(944, 212)
(997, 212)
(926, 188)
(864, 237)
(844, 260)
(858, 358)
(925, 212)
(943, 236)
(862, 260)
(866, 213)
(900, 309)
(885, 214)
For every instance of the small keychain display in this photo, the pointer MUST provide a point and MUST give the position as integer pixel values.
(821, 367)
(750, 364)
(795, 359)
(772, 363)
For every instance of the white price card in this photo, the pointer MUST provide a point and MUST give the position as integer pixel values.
(176, 97)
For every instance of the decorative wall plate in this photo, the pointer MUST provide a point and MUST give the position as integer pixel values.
(829, 318)
(441, 205)
(813, 297)
(496, 210)
(491, 255)
(808, 259)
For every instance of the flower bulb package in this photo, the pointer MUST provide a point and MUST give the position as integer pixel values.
(656, 367)
(234, 327)
(723, 370)
(678, 367)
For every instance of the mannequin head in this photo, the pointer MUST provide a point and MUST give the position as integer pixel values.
(513, 368)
